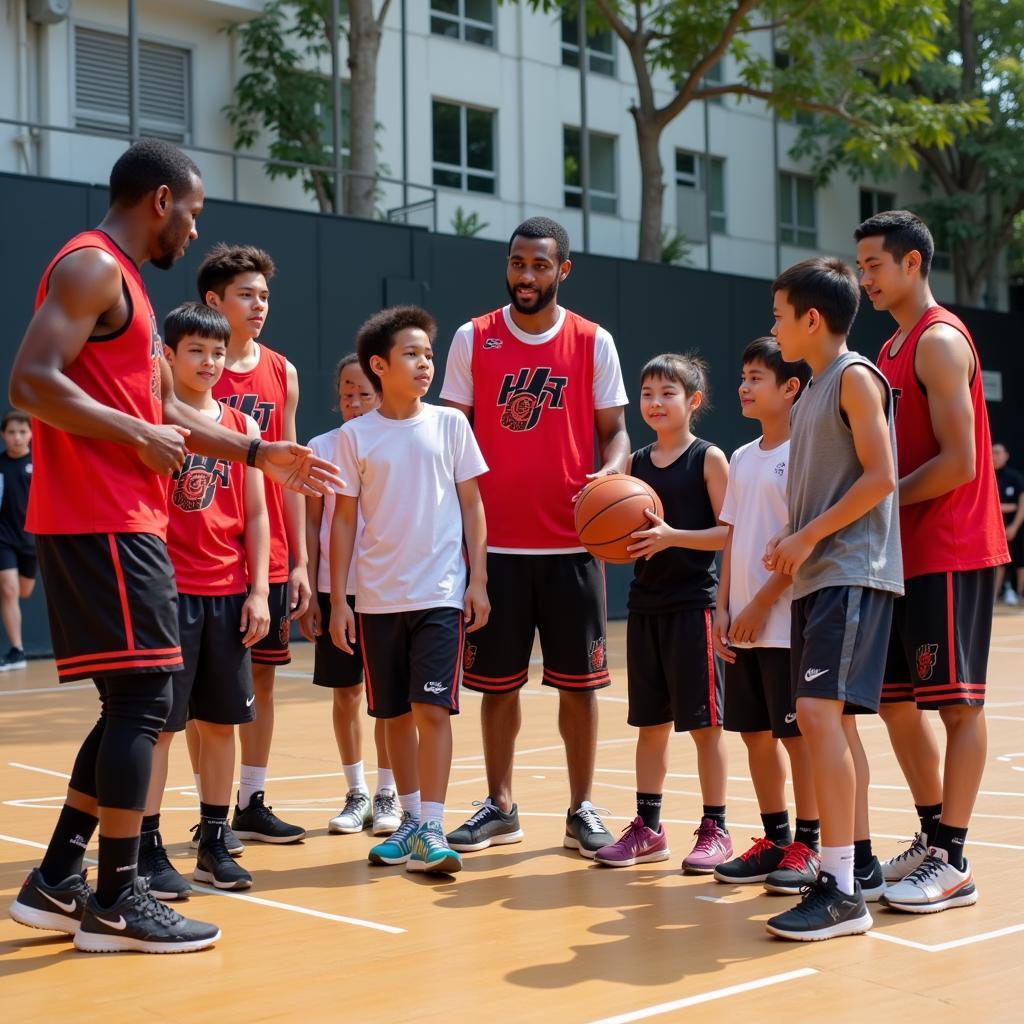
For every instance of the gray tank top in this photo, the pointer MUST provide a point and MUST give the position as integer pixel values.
(823, 466)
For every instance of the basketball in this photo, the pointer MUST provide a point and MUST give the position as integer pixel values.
(609, 510)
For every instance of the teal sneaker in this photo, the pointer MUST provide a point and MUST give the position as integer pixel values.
(398, 846)
(431, 852)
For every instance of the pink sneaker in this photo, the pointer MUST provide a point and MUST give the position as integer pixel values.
(637, 845)
(713, 847)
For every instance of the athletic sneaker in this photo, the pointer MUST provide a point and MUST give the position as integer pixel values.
(53, 908)
(14, 658)
(870, 879)
(909, 860)
(355, 816)
(638, 844)
(825, 912)
(259, 822)
(798, 867)
(165, 881)
(489, 826)
(235, 845)
(141, 923)
(752, 866)
(213, 862)
(398, 846)
(585, 831)
(429, 851)
(713, 847)
(387, 814)
(936, 885)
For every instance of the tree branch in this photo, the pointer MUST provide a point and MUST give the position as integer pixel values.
(383, 13)
(834, 109)
(618, 26)
(935, 164)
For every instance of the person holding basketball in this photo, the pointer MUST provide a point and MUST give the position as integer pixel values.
(538, 382)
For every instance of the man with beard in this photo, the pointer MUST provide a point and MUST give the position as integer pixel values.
(538, 382)
(109, 432)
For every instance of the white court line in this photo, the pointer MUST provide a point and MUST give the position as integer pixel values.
(941, 947)
(707, 997)
(42, 771)
(48, 689)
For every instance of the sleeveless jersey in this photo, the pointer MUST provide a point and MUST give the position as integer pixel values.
(533, 416)
(676, 578)
(261, 393)
(83, 484)
(962, 529)
(206, 528)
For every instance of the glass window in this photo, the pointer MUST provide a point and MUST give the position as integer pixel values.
(463, 147)
(872, 201)
(700, 195)
(603, 188)
(469, 20)
(798, 219)
(600, 47)
(326, 115)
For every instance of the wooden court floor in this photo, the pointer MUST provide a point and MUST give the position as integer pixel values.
(526, 932)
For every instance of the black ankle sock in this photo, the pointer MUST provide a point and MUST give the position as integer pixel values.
(929, 815)
(952, 841)
(213, 812)
(151, 822)
(118, 868)
(70, 837)
(808, 832)
(648, 807)
(776, 827)
(716, 814)
(862, 853)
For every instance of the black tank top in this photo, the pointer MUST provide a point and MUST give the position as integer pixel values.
(676, 578)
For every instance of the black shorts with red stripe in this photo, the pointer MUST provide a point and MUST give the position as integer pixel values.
(938, 647)
(561, 597)
(273, 649)
(112, 604)
(673, 672)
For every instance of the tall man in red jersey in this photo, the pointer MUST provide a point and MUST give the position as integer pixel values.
(109, 431)
(538, 382)
(953, 539)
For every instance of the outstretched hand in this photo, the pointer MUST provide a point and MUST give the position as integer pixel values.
(296, 467)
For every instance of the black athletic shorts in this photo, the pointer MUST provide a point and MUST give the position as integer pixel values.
(111, 602)
(938, 648)
(21, 557)
(672, 670)
(331, 665)
(411, 658)
(216, 683)
(273, 649)
(839, 639)
(758, 693)
(562, 597)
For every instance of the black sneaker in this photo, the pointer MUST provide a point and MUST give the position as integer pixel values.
(490, 826)
(753, 866)
(53, 908)
(14, 658)
(165, 882)
(141, 923)
(259, 822)
(235, 845)
(585, 831)
(798, 867)
(213, 862)
(824, 913)
(871, 880)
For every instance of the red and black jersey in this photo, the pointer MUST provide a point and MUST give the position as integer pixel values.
(206, 531)
(261, 393)
(962, 529)
(82, 484)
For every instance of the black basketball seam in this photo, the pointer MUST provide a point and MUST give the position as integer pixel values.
(580, 529)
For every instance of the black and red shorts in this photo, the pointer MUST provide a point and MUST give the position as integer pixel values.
(331, 665)
(273, 649)
(112, 604)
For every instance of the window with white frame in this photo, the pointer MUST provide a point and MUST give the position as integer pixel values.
(326, 114)
(798, 215)
(700, 195)
(600, 47)
(101, 86)
(873, 201)
(469, 20)
(603, 190)
(463, 147)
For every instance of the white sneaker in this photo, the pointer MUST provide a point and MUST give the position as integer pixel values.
(935, 885)
(1011, 597)
(387, 815)
(355, 816)
(902, 864)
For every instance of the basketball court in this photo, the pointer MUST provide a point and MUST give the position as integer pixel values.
(525, 932)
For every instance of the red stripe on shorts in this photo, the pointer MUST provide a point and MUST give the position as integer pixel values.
(712, 700)
(366, 664)
(950, 631)
(122, 590)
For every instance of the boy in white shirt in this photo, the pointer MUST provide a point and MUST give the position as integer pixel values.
(412, 473)
(752, 630)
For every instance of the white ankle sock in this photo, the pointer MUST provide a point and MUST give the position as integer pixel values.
(199, 787)
(837, 861)
(251, 779)
(411, 802)
(385, 779)
(355, 776)
(432, 811)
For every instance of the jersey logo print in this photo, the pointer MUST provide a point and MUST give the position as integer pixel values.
(525, 395)
(252, 406)
(599, 654)
(926, 656)
(197, 482)
(896, 392)
(155, 347)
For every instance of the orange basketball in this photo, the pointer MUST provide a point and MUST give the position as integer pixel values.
(609, 510)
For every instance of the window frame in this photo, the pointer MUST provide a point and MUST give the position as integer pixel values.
(876, 207)
(606, 59)
(700, 181)
(796, 231)
(576, 191)
(461, 20)
(464, 170)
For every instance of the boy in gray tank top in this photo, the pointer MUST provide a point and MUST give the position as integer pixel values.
(842, 549)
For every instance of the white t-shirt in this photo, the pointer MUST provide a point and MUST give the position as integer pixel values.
(755, 507)
(609, 391)
(324, 446)
(409, 554)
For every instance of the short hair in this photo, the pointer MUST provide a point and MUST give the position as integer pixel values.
(902, 232)
(544, 227)
(352, 357)
(223, 263)
(825, 283)
(146, 165)
(15, 416)
(766, 351)
(377, 336)
(687, 370)
(198, 319)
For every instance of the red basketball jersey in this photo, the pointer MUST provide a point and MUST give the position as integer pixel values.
(261, 393)
(533, 416)
(206, 528)
(962, 529)
(82, 484)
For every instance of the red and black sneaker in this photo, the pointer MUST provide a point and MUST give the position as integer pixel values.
(798, 867)
(753, 866)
